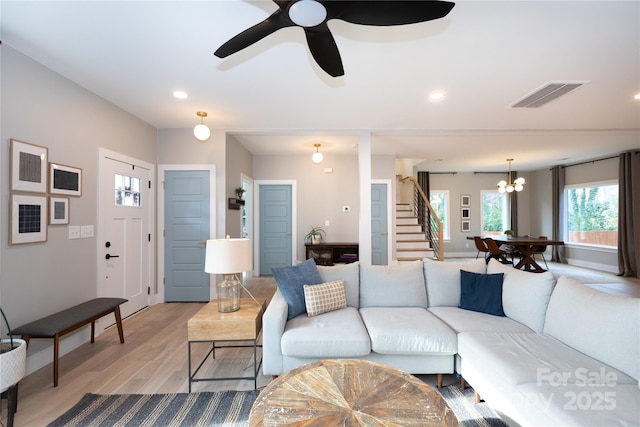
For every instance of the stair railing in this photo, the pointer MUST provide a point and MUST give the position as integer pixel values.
(428, 219)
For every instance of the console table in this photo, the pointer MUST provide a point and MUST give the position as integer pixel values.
(332, 253)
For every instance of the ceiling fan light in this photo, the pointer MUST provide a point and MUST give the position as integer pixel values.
(307, 13)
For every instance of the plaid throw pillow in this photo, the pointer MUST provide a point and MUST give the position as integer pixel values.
(324, 297)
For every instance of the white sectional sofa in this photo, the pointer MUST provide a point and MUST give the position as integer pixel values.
(556, 353)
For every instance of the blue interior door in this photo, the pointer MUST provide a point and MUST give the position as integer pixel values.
(275, 227)
(187, 218)
(379, 228)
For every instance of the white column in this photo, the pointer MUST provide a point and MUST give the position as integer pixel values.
(364, 163)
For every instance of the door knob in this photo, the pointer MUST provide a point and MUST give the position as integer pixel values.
(384, 233)
(108, 256)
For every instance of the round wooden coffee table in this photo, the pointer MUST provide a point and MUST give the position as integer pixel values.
(349, 392)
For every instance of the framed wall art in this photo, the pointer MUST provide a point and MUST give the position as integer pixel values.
(465, 226)
(465, 200)
(58, 210)
(65, 180)
(465, 213)
(28, 167)
(28, 222)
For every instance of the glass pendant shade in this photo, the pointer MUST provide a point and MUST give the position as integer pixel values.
(511, 186)
(201, 132)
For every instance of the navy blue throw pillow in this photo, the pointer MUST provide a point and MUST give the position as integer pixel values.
(291, 281)
(481, 292)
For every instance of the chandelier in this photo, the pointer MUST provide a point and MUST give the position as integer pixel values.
(510, 186)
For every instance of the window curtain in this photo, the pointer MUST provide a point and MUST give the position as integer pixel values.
(629, 214)
(558, 212)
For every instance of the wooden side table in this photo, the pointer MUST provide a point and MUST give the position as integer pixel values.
(213, 327)
(350, 392)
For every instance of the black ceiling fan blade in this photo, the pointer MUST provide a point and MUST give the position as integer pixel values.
(253, 34)
(387, 12)
(324, 50)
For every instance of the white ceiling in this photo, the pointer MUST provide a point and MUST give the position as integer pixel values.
(275, 99)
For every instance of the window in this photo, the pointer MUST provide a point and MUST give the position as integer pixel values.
(127, 191)
(592, 214)
(439, 200)
(494, 212)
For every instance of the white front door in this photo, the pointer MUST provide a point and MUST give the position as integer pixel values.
(124, 236)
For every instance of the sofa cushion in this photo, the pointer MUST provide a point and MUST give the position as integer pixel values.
(349, 274)
(481, 292)
(465, 320)
(397, 285)
(409, 331)
(525, 295)
(324, 297)
(290, 281)
(336, 334)
(602, 325)
(443, 279)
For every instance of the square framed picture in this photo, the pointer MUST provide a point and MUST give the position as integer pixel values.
(28, 167)
(465, 200)
(465, 213)
(65, 180)
(58, 210)
(28, 222)
(465, 226)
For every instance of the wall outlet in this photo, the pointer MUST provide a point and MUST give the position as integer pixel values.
(346, 209)
(74, 232)
(326, 222)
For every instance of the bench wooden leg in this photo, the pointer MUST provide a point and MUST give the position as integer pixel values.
(93, 331)
(116, 313)
(56, 351)
(476, 397)
(440, 376)
(463, 383)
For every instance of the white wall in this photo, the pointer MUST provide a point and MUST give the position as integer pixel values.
(41, 107)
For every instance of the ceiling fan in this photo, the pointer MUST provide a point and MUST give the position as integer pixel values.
(313, 15)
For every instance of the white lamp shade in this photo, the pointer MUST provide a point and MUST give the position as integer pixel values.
(317, 157)
(228, 256)
(201, 132)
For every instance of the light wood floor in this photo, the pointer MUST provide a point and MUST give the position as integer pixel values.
(153, 358)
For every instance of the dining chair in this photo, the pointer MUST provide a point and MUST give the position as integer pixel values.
(497, 253)
(540, 249)
(481, 247)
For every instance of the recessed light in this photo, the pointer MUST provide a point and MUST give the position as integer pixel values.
(637, 97)
(436, 96)
(180, 94)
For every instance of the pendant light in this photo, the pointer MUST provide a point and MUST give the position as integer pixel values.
(317, 156)
(201, 131)
(511, 186)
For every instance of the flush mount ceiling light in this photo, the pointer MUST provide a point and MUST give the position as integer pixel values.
(179, 94)
(201, 131)
(317, 156)
(509, 187)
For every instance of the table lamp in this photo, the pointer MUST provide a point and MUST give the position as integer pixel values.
(228, 257)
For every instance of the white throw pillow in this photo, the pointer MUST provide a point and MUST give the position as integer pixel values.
(324, 297)
(349, 274)
(443, 279)
(525, 295)
(396, 285)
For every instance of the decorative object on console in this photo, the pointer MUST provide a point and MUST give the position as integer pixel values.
(509, 187)
(240, 192)
(312, 16)
(201, 131)
(228, 257)
(315, 235)
(317, 156)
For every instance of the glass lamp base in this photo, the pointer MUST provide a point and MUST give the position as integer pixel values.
(228, 294)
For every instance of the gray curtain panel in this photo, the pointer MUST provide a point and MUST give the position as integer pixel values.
(558, 212)
(629, 214)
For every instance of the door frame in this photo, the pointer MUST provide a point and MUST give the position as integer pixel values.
(256, 224)
(391, 235)
(103, 153)
(159, 291)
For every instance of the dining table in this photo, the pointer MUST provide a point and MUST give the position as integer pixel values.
(525, 247)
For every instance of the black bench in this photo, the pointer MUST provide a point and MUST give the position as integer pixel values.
(65, 321)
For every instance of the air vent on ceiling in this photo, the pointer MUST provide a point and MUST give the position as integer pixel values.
(545, 94)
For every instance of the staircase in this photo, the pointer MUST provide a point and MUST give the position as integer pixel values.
(411, 241)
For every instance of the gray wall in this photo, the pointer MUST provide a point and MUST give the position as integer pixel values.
(43, 108)
(239, 161)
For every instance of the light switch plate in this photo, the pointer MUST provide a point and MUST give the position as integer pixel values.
(86, 231)
(74, 232)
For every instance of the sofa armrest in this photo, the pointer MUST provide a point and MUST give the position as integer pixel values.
(273, 323)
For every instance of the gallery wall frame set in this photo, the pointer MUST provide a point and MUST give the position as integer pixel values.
(465, 213)
(42, 181)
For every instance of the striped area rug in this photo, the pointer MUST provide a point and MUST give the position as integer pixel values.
(225, 408)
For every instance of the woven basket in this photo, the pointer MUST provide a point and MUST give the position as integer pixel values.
(13, 364)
